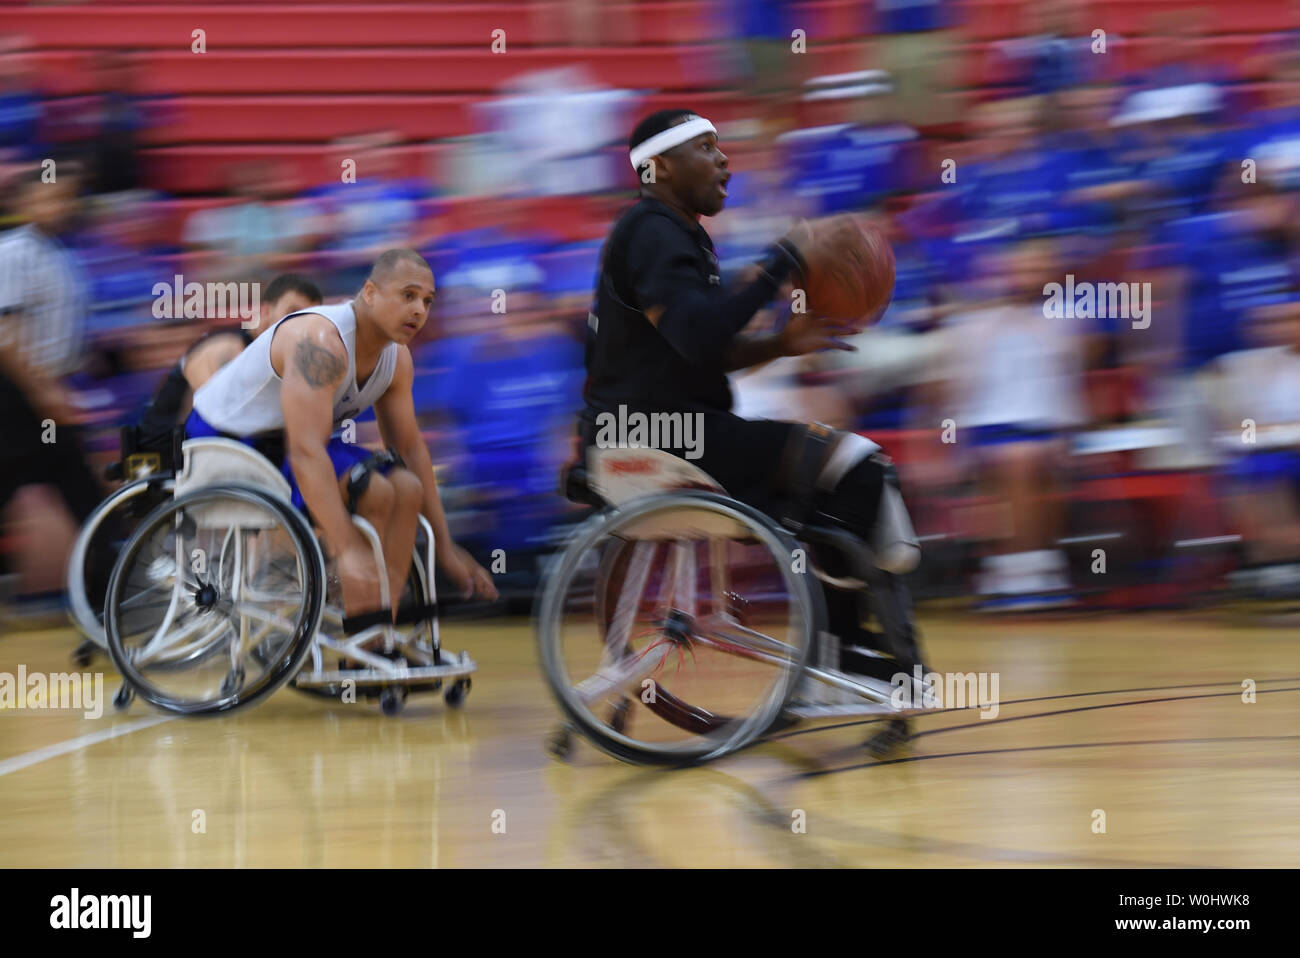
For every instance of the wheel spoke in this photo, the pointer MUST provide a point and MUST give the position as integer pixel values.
(719, 629)
(615, 677)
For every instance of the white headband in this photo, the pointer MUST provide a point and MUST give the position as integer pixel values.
(673, 136)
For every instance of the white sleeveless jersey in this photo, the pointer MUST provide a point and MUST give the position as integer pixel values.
(243, 397)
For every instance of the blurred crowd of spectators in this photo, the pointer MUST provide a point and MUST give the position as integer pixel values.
(1173, 176)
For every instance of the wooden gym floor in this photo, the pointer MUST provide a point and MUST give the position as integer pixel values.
(1132, 724)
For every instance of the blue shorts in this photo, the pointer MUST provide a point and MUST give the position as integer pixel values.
(1266, 467)
(1002, 435)
(343, 455)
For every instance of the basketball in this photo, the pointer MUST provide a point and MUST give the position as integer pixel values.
(850, 269)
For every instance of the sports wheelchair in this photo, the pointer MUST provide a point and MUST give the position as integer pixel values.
(669, 569)
(222, 593)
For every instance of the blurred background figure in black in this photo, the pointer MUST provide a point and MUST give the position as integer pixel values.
(43, 299)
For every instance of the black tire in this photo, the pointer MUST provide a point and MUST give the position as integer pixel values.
(304, 629)
(98, 545)
(560, 743)
(123, 698)
(392, 699)
(456, 692)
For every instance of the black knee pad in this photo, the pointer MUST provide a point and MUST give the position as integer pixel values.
(868, 502)
(359, 475)
(854, 503)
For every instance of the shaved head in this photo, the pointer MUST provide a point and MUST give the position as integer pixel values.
(388, 261)
(397, 296)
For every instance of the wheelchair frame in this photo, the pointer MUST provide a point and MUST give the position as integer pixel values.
(223, 468)
(627, 484)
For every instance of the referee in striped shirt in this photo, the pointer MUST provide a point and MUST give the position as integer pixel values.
(43, 299)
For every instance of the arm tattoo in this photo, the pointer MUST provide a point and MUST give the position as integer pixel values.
(318, 365)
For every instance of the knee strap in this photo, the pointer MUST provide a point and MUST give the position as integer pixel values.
(355, 624)
(359, 475)
(802, 471)
(411, 614)
(856, 472)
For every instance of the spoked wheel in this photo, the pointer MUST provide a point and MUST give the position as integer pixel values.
(674, 629)
(215, 600)
(98, 545)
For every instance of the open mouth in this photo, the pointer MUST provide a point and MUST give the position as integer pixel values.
(722, 185)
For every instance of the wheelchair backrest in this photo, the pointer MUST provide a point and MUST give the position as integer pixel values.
(224, 462)
(618, 475)
(621, 475)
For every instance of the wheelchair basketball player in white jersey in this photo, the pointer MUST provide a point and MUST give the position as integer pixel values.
(296, 385)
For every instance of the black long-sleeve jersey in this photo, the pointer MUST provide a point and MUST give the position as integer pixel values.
(662, 323)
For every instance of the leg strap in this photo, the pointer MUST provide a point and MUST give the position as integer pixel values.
(802, 470)
(359, 623)
(411, 614)
(359, 475)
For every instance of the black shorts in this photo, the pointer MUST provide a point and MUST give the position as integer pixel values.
(747, 457)
(750, 458)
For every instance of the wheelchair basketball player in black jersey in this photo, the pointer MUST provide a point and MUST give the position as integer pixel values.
(663, 336)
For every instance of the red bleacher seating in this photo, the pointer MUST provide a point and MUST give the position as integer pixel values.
(125, 25)
(1002, 19)
(281, 80)
(207, 169)
(144, 24)
(314, 119)
(445, 70)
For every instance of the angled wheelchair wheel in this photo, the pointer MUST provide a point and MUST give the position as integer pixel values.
(215, 600)
(674, 629)
(98, 545)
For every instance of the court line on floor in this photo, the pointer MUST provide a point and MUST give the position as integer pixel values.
(27, 759)
(985, 723)
(845, 831)
(1039, 698)
(905, 759)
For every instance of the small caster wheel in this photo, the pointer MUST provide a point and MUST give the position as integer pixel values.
(122, 700)
(392, 699)
(895, 734)
(84, 654)
(233, 682)
(560, 744)
(456, 692)
(618, 720)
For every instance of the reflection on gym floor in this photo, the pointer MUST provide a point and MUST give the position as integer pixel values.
(1117, 742)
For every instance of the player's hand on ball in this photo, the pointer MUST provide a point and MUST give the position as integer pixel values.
(809, 333)
(801, 236)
